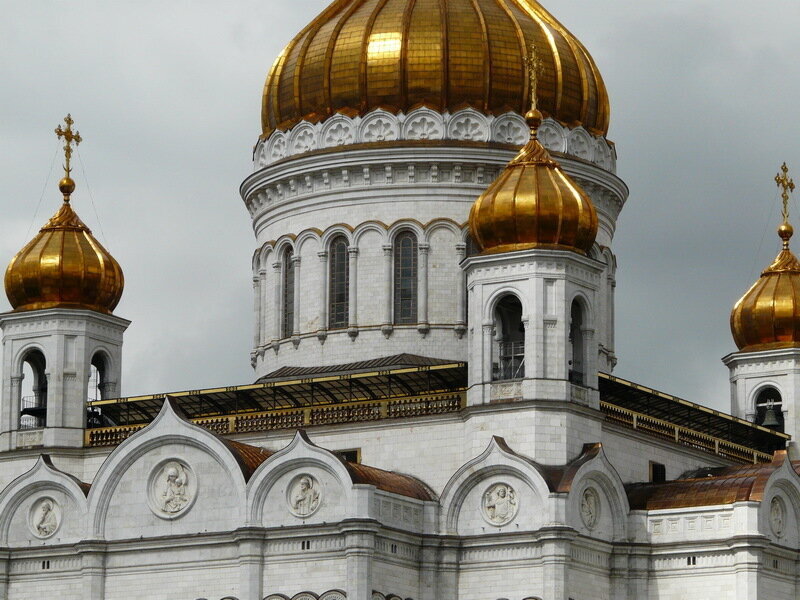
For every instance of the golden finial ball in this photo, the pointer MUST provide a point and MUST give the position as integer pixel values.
(785, 231)
(533, 118)
(66, 186)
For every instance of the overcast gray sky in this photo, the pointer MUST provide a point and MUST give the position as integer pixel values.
(704, 98)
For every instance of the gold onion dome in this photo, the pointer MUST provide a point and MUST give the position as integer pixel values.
(360, 55)
(533, 204)
(767, 317)
(64, 266)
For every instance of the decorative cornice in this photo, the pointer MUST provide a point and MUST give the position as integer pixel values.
(466, 125)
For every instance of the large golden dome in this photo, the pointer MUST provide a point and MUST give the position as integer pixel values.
(64, 266)
(533, 204)
(768, 315)
(359, 55)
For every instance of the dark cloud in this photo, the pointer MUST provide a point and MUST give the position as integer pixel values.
(167, 96)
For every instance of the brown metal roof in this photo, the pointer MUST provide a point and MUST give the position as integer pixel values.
(396, 361)
(707, 487)
(389, 481)
(249, 457)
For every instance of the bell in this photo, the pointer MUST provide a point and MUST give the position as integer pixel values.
(770, 419)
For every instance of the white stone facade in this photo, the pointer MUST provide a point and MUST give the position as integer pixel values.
(336, 177)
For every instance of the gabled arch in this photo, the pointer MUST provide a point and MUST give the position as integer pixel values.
(333, 231)
(497, 458)
(441, 223)
(378, 227)
(783, 481)
(169, 427)
(406, 224)
(490, 303)
(299, 453)
(42, 477)
(592, 468)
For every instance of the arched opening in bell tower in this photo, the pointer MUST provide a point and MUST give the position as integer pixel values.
(509, 340)
(577, 361)
(33, 393)
(769, 411)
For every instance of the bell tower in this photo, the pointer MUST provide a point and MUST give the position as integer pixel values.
(533, 296)
(62, 286)
(765, 322)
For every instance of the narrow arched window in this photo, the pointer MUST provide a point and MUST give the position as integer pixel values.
(576, 364)
(405, 278)
(338, 283)
(33, 400)
(287, 323)
(509, 341)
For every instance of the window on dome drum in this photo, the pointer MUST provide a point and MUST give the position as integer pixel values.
(769, 409)
(509, 340)
(33, 394)
(287, 322)
(658, 472)
(338, 283)
(576, 364)
(405, 278)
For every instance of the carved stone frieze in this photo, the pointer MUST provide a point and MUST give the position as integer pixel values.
(777, 516)
(426, 124)
(590, 507)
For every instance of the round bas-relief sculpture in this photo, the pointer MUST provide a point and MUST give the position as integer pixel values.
(499, 504)
(44, 517)
(304, 496)
(172, 489)
(777, 516)
(590, 507)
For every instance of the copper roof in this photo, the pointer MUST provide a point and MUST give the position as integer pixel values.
(249, 457)
(389, 481)
(395, 361)
(707, 487)
(49, 462)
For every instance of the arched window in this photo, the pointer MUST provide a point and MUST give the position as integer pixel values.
(509, 340)
(577, 367)
(287, 323)
(769, 409)
(33, 403)
(338, 283)
(405, 278)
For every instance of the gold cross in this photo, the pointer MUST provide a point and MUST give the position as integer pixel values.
(533, 64)
(69, 137)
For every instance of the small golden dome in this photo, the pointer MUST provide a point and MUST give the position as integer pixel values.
(359, 55)
(768, 315)
(533, 204)
(64, 266)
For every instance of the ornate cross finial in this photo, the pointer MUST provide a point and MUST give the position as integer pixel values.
(786, 183)
(70, 137)
(533, 64)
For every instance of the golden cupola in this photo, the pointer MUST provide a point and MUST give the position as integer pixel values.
(64, 266)
(397, 55)
(767, 317)
(533, 203)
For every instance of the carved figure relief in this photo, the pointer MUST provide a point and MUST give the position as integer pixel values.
(499, 504)
(590, 507)
(304, 496)
(44, 517)
(777, 516)
(172, 489)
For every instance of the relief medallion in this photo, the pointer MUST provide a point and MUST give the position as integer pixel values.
(304, 496)
(499, 504)
(172, 489)
(44, 517)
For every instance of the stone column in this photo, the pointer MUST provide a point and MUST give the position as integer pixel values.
(556, 542)
(251, 563)
(461, 318)
(276, 321)
(93, 571)
(352, 291)
(257, 312)
(5, 567)
(422, 293)
(296, 267)
(388, 280)
(747, 562)
(488, 333)
(324, 297)
(359, 553)
(263, 324)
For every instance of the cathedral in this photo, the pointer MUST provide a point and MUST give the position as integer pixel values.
(433, 413)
